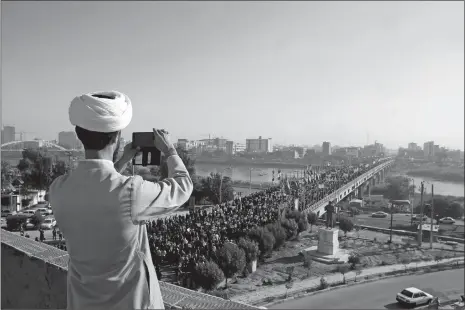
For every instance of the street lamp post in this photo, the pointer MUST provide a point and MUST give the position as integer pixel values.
(250, 180)
(221, 183)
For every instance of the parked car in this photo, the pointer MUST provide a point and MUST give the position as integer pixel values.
(5, 213)
(44, 211)
(28, 212)
(379, 214)
(3, 221)
(416, 217)
(412, 296)
(48, 223)
(447, 220)
(29, 225)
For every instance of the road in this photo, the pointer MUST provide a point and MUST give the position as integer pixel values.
(381, 294)
(401, 219)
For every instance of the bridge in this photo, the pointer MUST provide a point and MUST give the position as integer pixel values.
(34, 273)
(12, 151)
(354, 188)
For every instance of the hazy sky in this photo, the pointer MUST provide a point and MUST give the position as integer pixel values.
(298, 72)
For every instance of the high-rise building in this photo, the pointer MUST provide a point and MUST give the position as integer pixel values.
(326, 147)
(8, 134)
(259, 145)
(428, 149)
(68, 139)
(412, 146)
(229, 147)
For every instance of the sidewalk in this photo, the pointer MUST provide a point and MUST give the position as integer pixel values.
(263, 293)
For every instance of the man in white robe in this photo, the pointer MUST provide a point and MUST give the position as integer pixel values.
(102, 213)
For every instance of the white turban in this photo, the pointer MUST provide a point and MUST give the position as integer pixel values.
(101, 111)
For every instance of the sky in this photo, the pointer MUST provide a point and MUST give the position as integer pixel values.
(296, 72)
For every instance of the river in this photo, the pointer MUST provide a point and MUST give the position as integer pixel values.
(264, 174)
(243, 173)
(440, 187)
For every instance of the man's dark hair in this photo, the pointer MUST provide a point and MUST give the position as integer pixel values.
(94, 140)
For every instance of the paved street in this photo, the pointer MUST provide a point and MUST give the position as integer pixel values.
(382, 294)
(401, 219)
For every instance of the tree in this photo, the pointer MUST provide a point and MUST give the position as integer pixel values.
(397, 188)
(7, 174)
(312, 219)
(37, 219)
(210, 187)
(208, 275)
(444, 207)
(279, 234)
(354, 260)
(291, 228)
(38, 169)
(231, 260)
(343, 269)
(265, 239)
(346, 225)
(250, 248)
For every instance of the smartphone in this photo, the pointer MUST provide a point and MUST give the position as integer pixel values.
(149, 155)
(142, 139)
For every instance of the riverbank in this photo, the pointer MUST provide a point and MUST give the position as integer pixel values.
(438, 172)
(250, 163)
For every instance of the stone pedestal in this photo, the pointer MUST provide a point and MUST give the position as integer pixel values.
(328, 242)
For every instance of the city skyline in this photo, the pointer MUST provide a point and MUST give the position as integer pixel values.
(308, 145)
(390, 70)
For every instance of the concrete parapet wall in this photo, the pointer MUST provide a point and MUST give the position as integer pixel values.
(34, 277)
(29, 282)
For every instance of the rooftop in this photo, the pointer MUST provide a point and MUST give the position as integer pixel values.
(173, 295)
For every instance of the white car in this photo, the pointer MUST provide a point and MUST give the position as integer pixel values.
(447, 220)
(379, 214)
(412, 296)
(48, 223)
(28, 212)
(44, 211)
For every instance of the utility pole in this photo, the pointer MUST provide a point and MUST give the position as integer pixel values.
(432, 216)
(412, 202)
(420, 231)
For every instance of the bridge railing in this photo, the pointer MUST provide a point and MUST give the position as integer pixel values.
(346, 186)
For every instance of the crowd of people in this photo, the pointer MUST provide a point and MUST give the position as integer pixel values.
(186, 240)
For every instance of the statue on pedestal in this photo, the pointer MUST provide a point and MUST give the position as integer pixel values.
(329, 215)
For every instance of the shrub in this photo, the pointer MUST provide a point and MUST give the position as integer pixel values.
(312, 219)
(302, 224)
(264, 238)
(323, 283)
(208, 275)
(250, 248)
(231, 260)
(343, 269)
(353, 260)
(346, 225)
(291, 228)
(405, 261)
(279, 234)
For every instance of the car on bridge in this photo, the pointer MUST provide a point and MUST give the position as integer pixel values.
(447, 220)
(413, 297)
(379, 214)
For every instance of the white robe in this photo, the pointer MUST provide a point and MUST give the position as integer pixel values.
(101, 214)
